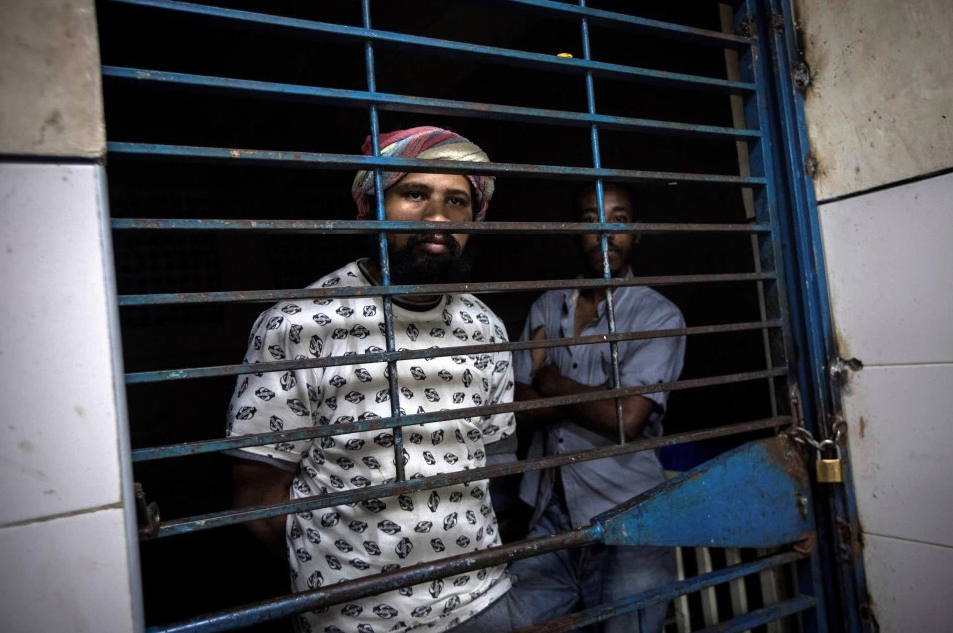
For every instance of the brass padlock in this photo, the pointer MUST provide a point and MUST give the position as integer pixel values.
(829, 471)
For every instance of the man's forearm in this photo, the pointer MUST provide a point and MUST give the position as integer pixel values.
(600, 415)
(260, 484)
(542, 415)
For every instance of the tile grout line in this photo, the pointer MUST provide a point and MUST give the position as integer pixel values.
(65, 515)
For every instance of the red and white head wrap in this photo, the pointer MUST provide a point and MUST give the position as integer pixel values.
(427, 143)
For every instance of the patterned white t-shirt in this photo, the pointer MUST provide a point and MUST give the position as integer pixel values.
(350, 541)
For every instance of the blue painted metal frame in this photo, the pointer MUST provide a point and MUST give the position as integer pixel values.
(419, 105)
(845, 568)
(474, 288)
(615, 378)
(771, 469)
(813, 573)
(633, 23)
(358, 227)
(705, 505)
(491, 54)
(383, 357)
(350, 161)
(232, 517)
(786, 214)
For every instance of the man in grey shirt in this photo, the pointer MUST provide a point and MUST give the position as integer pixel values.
(564, 498)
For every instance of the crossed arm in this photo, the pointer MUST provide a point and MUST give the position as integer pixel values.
(598, 415)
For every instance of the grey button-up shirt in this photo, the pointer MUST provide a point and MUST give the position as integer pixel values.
(596, 486)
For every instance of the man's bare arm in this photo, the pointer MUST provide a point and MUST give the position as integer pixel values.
(599, 415)
(527, 392)
(257, 483)
(545, 414)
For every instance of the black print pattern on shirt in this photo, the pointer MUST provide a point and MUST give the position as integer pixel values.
(345, 542)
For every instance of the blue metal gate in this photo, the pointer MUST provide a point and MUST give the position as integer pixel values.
(765, 498)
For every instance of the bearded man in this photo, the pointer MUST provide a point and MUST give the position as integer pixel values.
(345, 542)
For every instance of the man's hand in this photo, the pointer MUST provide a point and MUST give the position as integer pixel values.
(549, 381)
(598, 415)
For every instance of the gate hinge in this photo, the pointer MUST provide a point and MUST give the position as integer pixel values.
(747, 28)
(777, 22)
(797, 410)
(147, 514)
(850, 545)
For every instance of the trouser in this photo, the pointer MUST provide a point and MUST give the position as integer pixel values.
(558, 583)
(506, 613)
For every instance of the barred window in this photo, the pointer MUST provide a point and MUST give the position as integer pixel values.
(234, 132)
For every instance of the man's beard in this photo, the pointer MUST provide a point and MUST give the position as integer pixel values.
(594, 267)
(413, 265)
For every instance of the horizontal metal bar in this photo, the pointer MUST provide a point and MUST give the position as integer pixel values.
(267, 610)
(448, 48)
(435, 352)
(349, 292)
(425, 105)
(370, 227)
(666, 593)
(764, 615)
(254, 513)
(635, 24)
(338, 593)
(352, 161)
(376, 424)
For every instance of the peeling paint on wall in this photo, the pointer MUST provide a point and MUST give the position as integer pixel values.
(50, 86)
(880, 105)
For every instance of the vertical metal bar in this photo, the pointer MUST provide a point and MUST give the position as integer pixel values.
(382, 249)
(726, 14)
(603, 238)
(771, 206)
(812, 281)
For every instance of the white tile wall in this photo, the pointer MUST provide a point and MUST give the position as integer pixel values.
(59, 446)
(890, 267)
(66, 574)
(890, 270)
(901, 441)
(910, 583)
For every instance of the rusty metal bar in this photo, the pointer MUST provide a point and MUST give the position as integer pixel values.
(634, 24)
(284, 606)
(366, 227)
(270, 296)
(377, 424)
(744, 622)
(275, 608)
(231, 517)
(382, 247)
(490, 54)
(422, 105)
(317, 160)
(383, 357)
(764, 615)
(603, 238)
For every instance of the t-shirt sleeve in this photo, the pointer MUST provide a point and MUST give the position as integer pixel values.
(523, 359)
(654, 361)
(273, 401)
